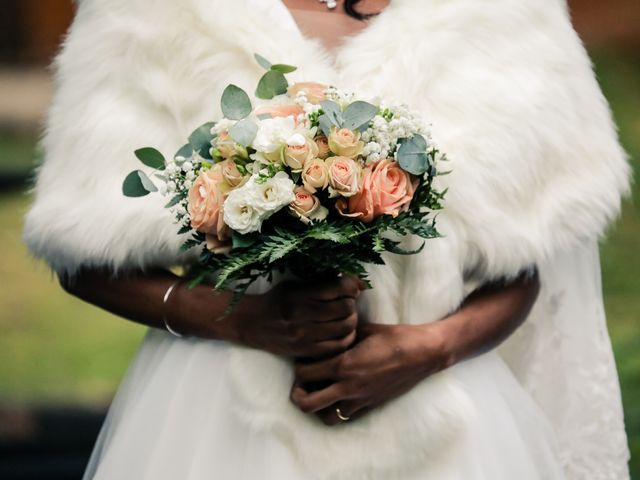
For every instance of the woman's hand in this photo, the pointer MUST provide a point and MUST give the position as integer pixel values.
(299, 320)
(387, 361)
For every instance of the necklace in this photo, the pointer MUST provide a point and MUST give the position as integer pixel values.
(331, 4)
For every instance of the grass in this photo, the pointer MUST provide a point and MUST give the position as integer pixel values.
(54, 348)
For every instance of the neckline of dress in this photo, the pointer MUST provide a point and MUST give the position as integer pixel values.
(335, 53)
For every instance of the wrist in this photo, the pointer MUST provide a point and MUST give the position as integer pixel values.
(436, 346)
(200, 312)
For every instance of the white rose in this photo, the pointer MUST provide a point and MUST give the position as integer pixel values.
(239, 213)
(272, 194)
(273, 133)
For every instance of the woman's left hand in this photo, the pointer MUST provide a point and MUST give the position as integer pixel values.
(386, 361)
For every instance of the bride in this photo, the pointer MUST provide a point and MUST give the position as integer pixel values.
(400, 382)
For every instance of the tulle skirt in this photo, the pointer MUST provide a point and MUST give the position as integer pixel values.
(179, 415)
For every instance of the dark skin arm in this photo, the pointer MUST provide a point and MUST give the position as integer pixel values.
(294, 320)
(388, 360)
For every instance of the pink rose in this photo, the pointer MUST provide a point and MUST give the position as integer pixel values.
(307, 207)
(344, 176)
(345, 142)
(323, 146)
(386, 190)
(313, 91)
(315, 175)
(290, 110)
(205, 200)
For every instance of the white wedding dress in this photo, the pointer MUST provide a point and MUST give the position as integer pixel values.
(533, 182)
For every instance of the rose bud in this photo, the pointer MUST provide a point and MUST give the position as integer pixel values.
(345, 142)
(315, 175)
(307, 207)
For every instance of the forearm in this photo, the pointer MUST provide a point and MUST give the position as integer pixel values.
(139, 297)
(486, 318)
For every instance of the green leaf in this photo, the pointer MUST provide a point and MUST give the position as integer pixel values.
(200, 139)
(243, 241)
(174, 201)
(271, 84)
(333, 112)
(235, 103)
(412, 156)
(282, 68)
(185, 151)
(137, 184)
(264, 63)
(151, 157)
(325, 125)
(359, 114)
(244, 132)
(184, 229)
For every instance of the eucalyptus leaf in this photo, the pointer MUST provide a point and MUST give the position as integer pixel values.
(151, 157)
(174, 201)
(235, 103)
(200, 139)
(333, 112)
(271, 84)
(244, 132)
(358, 114)
(137, 184)
(325, 124)
(412, 156)
(264, 63)
(283, 68)
(146, 182)
(185, 152)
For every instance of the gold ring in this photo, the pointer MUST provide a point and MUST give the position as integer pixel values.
(341, 416)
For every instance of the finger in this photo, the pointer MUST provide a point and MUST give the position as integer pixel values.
(313, 372)
(311, 402)
(328, 348)
(350, 409)
(346, 286)
(313, 333)
(330, 310)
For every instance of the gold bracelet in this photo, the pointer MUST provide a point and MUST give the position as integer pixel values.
(164, 304)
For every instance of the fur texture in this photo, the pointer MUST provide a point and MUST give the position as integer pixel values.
(536, 165)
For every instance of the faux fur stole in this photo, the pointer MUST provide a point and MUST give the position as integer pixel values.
(536, 165)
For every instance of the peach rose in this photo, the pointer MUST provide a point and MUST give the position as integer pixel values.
(205, 200)
(323, 146)
(225, 145)
(386, 190)
(231, 174)
(297, 153)
(345, 142)
(344, 176)
(307, 207)
(280, 110)
(313, 91)
(315, 175)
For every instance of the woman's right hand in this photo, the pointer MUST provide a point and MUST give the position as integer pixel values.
(302, 320)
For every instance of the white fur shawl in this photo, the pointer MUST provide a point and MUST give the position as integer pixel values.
(536, 164)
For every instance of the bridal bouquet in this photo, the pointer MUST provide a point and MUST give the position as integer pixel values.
(312, 180)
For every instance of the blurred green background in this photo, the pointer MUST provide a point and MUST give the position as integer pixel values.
(56, 350)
